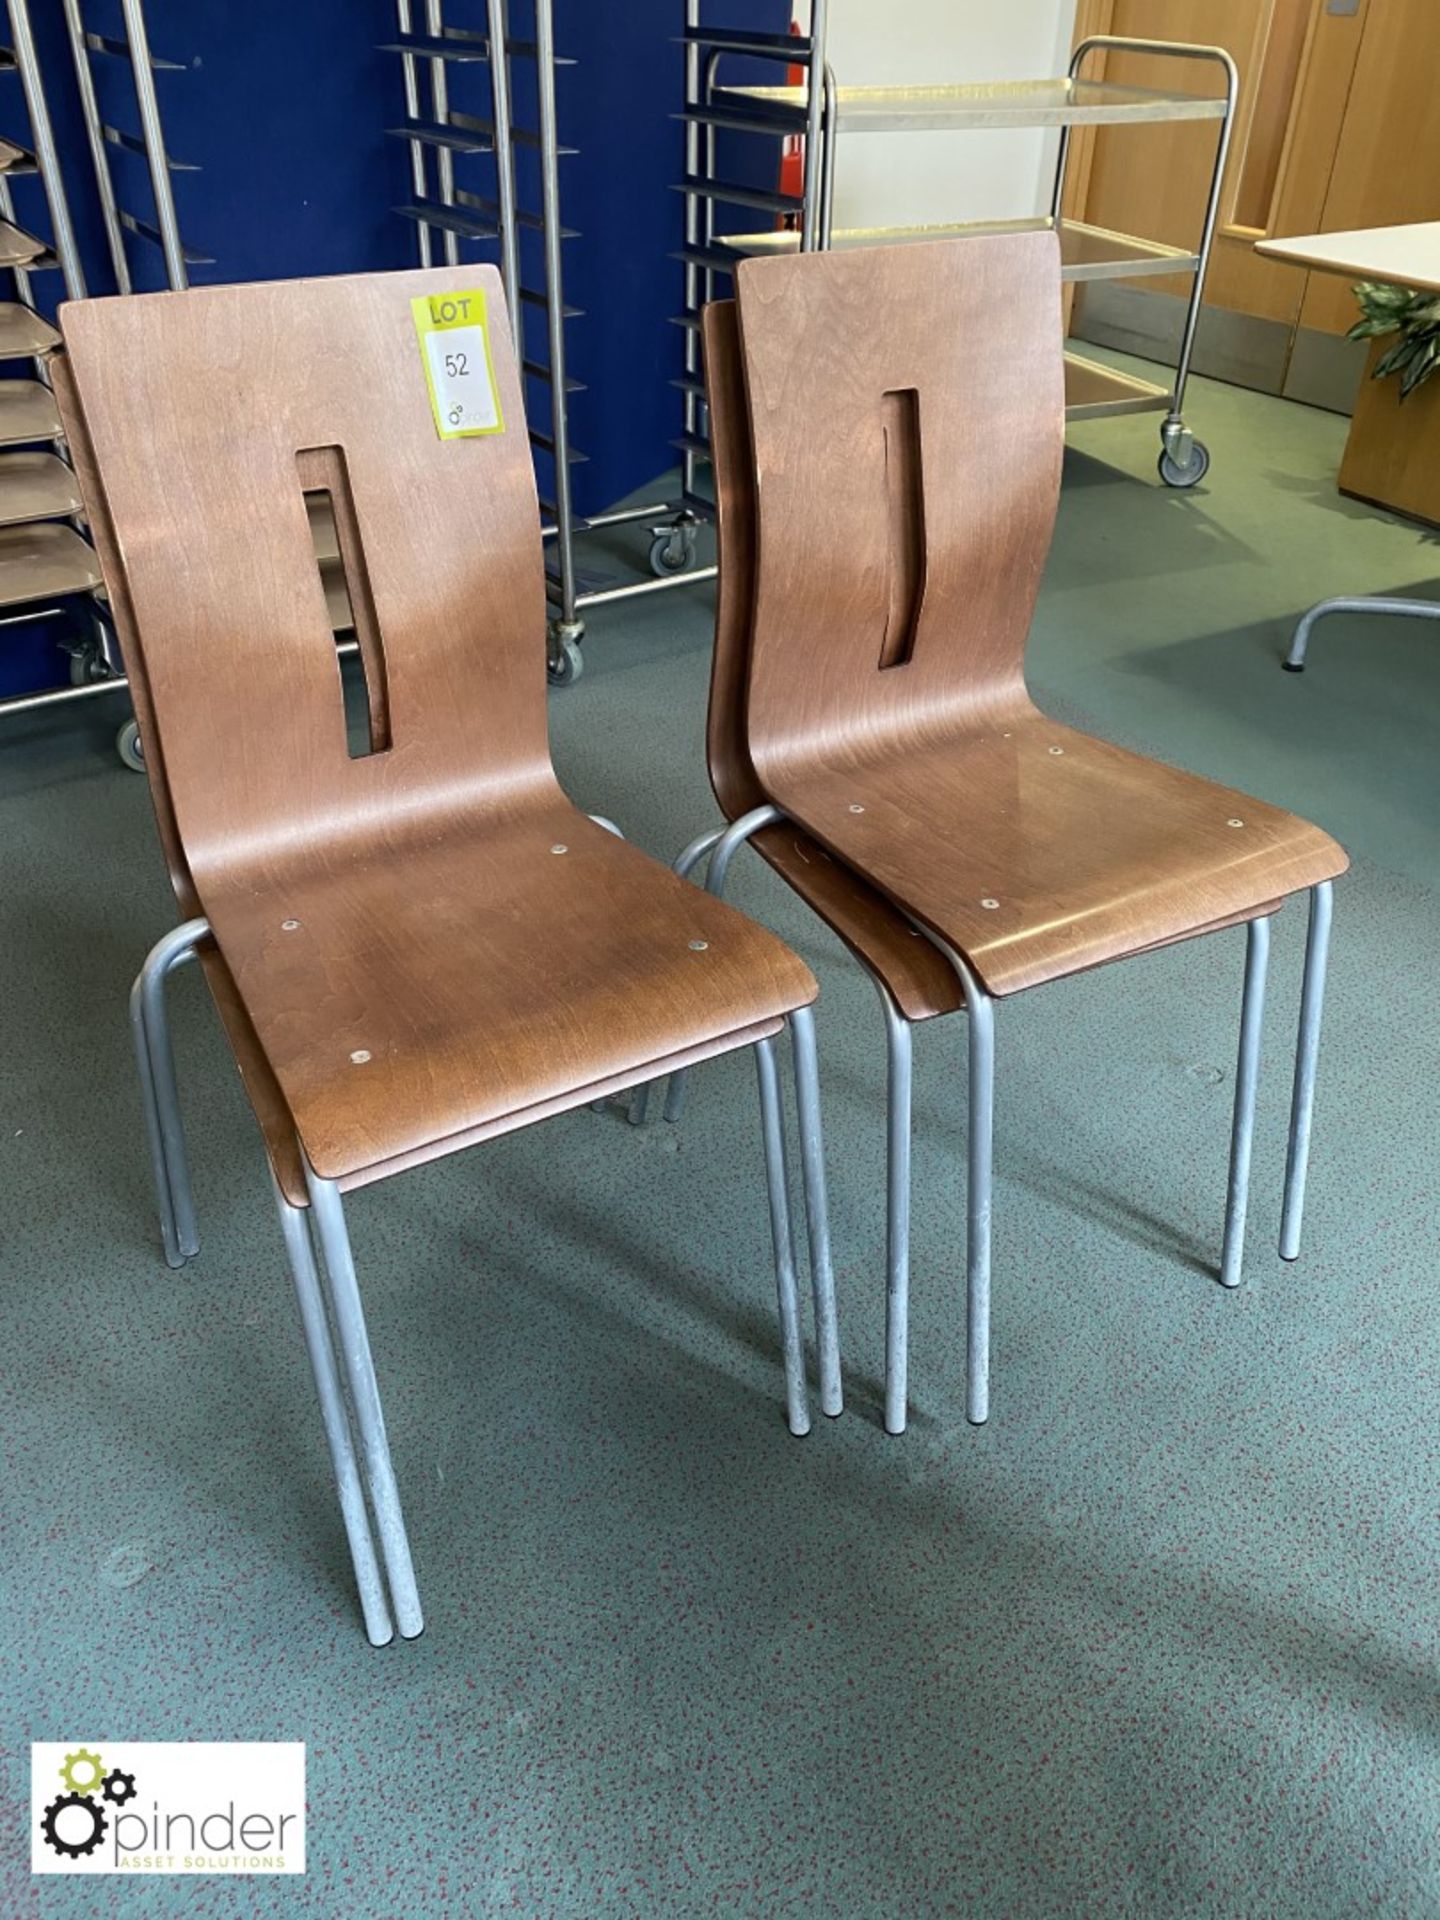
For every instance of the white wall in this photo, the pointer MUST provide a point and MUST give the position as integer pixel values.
(917, 178)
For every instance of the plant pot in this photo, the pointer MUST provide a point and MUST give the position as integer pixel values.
(1392, 458)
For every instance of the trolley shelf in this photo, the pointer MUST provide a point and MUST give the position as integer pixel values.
(36, 486)
(1086, 252)
(1011, 103)
(434, 214)
(463, 46)
(23, 334)
(1095, 392)
(448, 133)
(41, 561)
(120, 50)
(444, 46)
(15, 159)
(762, 198)
(27, 412)
(20, 249)
(147, 230)
(789, 47)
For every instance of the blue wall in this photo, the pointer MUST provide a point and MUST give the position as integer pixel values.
(283, 109)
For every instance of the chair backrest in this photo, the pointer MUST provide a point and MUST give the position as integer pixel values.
(732, 773)
(906, 412)
(203, 419)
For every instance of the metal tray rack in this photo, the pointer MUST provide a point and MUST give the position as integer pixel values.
(777, 113)
(46, 563)
(529, 242)
(821, 114)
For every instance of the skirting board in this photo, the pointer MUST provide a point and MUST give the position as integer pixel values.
(1319, 369)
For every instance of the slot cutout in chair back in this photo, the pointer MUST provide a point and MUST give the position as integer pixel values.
(906, 415)
(325, 482)
(210, 414)
(905, 495)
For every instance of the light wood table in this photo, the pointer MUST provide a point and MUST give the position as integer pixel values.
(1407, 256)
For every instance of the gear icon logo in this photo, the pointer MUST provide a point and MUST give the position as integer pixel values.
(77, 1820)
(75, 1842)
(88, 1765)
(118, 1787)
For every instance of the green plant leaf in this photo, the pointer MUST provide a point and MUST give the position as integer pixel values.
(1396, 357)
(1421, 367)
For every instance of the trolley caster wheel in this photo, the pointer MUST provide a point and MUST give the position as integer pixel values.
(672, 550)
(87, 665)
(129, 748)
(1174, 475)
(565, 663)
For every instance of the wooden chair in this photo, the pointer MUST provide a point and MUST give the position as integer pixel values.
(422, 945)
(887, 428)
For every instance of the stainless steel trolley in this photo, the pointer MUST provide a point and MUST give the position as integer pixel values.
(821, 113)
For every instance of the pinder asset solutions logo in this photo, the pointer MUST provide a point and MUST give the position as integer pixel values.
(167, 1807)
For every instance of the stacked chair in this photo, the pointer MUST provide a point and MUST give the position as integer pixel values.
(887, 434)
(415, 941)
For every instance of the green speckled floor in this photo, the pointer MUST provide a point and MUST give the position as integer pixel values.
(1162, 1640)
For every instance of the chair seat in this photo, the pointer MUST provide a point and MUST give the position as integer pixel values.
(414, 1000)
(1087, 853)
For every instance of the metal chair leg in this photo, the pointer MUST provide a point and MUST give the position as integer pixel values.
(1247, 1075)
(980, 1180)
(1294, 661)
(817, 1208)
(980, 1018)
(899, 1052)
(150, 1028)
(684, 866)
(379, 1628)
(1307, 1049)
(159, 1166)
(772, 1126)
(354, 1343)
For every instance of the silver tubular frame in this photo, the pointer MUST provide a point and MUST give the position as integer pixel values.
(1294, 661)
(333, 1243)
(104, 184)
(777, 1181)
(555, 311)
(1173, 431)
(47, 159)
(315, 1322)
(1307, 1052)
(1247, 1079)
(720, 845)
(410, 74)
(505, 168)
(155, 1064)
(176, 271)
(817, 1208)
(440, 103)
(979, 1180)
(899, 1133)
